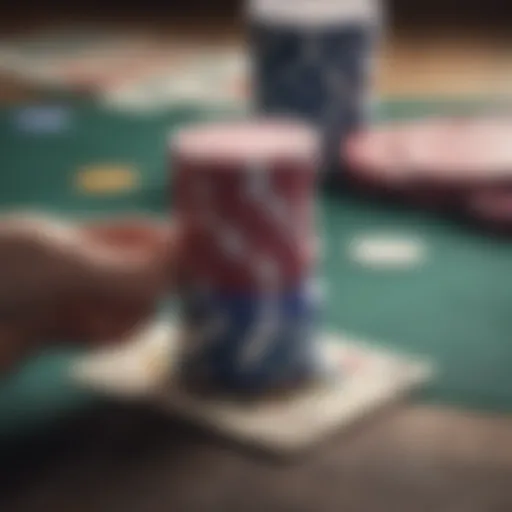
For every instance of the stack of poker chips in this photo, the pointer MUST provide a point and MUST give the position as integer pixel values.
(244, 196)
(459, 164)
(314, 59)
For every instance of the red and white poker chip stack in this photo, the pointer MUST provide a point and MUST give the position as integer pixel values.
(462, 163)
(244, 195)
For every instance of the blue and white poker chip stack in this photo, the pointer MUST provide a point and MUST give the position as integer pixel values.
(314, 59)
(250, 343)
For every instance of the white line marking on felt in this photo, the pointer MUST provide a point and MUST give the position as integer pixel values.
(387, 250)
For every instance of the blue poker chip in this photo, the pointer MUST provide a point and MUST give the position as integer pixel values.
(43, 119)
(250, 343)
(318, 73)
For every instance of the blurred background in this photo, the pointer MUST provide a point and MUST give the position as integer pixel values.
(83, 132)
(422, 11)
(432, 45)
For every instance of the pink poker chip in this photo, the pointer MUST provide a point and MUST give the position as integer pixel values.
(452, 151)
(239, 143)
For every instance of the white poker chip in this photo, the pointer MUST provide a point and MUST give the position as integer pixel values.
(384, 251)
(312, 13)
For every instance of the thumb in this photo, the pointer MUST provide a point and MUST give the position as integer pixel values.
(123, 273)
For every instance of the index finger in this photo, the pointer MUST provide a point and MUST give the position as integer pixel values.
(130, 233)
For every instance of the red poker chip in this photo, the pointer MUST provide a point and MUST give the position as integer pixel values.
(246, 271)
(244, 193)
(442, 152)
(229, 193)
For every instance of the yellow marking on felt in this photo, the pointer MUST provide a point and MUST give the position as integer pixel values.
(107, 179)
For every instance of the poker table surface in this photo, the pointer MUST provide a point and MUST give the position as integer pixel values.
(93, 163)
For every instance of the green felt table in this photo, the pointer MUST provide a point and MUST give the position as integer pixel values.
(456, 308)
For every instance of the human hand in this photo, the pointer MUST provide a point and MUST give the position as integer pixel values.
(90, 283)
